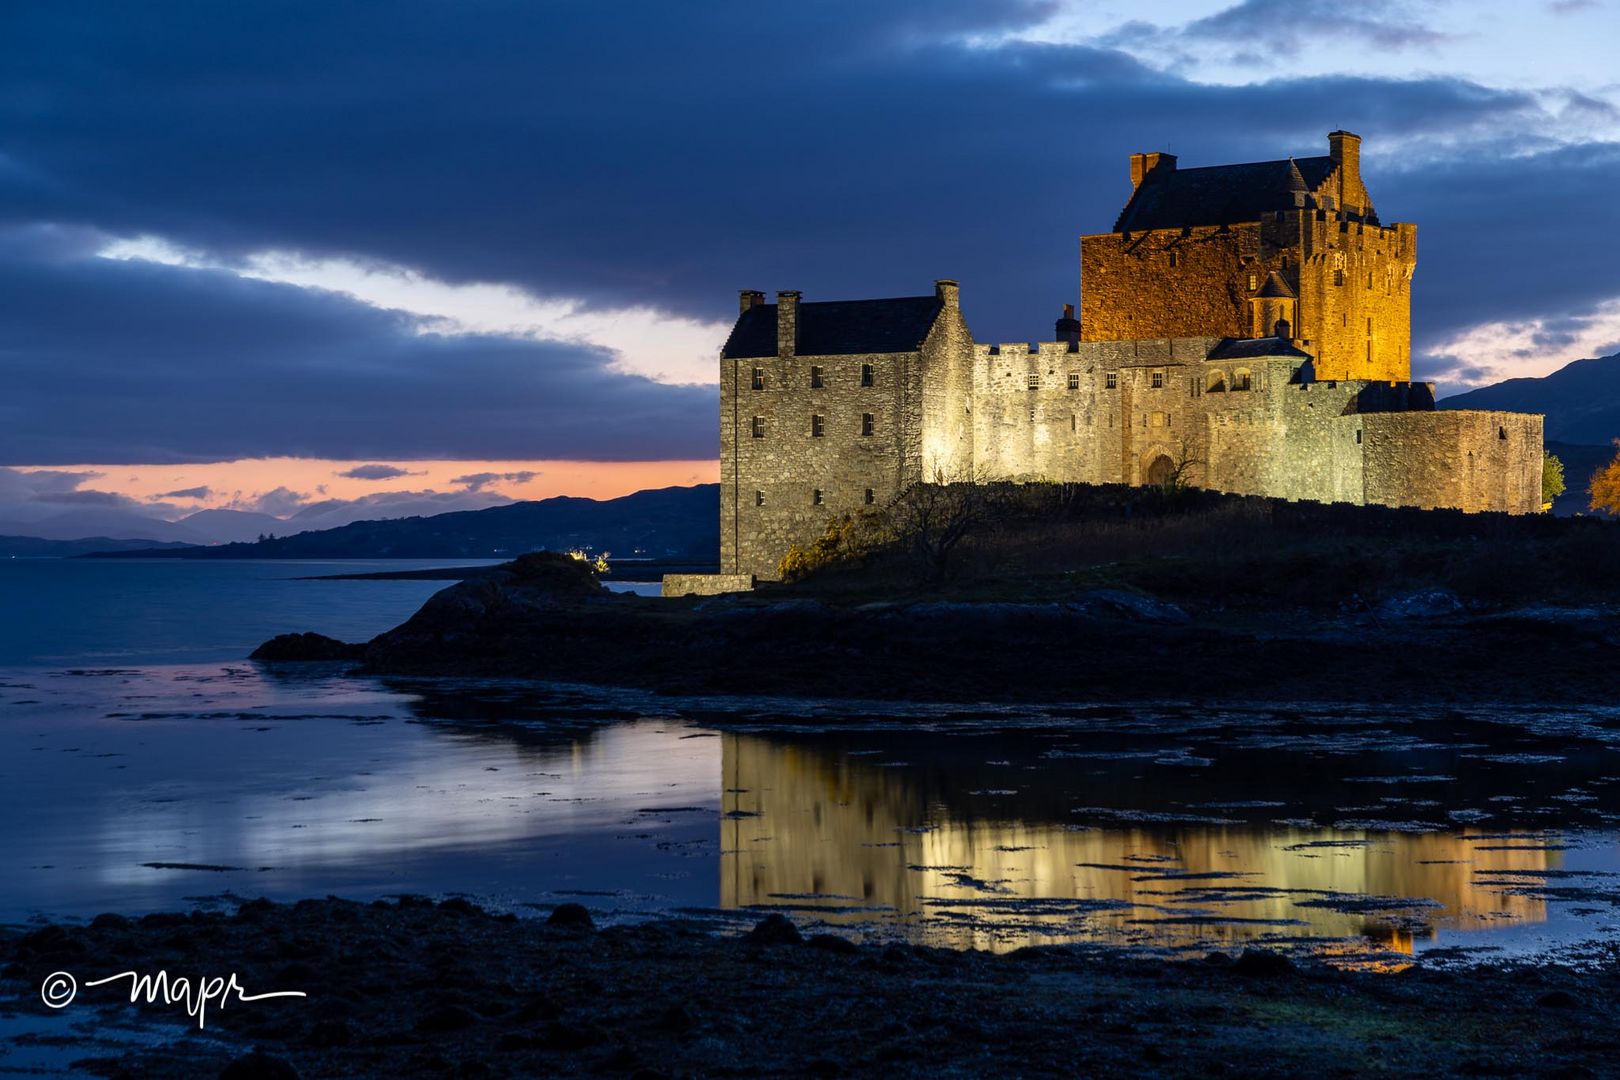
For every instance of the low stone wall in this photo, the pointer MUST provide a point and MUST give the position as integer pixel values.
(706, 584)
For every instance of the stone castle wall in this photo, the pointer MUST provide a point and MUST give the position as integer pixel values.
(1352, 282)
(1092, 412)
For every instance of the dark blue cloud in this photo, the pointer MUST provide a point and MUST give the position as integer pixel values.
(133, 362)
(669, 154)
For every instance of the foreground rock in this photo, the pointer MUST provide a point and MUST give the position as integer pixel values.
(414, 989)
(301, 648)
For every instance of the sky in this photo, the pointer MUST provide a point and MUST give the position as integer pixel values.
(248, 248)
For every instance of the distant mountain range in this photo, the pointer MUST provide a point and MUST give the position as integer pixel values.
(677, 523)
(16, 547)
(210, 526)
(1581, 400)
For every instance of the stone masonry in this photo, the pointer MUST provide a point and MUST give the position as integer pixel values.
(1265, 357)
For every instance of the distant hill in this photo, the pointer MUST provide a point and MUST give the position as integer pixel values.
(1581, 400)
(665, 523)
(34, 547)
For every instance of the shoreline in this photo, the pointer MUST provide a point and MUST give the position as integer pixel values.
(417, 988)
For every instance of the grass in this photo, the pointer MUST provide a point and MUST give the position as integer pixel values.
(1211, 551)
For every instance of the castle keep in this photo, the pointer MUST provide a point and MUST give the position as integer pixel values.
(1245, 325)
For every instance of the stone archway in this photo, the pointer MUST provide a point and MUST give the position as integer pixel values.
(1160, 470)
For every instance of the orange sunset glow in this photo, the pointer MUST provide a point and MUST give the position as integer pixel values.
(241, 484)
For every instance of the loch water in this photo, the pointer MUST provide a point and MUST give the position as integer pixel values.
(145, 765)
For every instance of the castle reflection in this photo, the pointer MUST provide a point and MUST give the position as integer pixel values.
(847, 836)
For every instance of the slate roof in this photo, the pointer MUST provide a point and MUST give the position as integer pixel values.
(1276, 288)
(1220, 194)
(839, 327)
(1253, 349)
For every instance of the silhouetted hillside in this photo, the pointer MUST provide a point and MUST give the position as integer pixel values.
(33, 546)
(1581, 400)
(666, 523)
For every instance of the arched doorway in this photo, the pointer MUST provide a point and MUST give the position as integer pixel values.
(1160, 471)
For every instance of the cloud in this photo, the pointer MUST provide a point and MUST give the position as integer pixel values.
(188, 493)
(1286, 24)
(1570, 7)
(29, 497)
(278, 502)
(996, 153)
(186, 365)
(480, 481)
(376, 472)
(1498, 349)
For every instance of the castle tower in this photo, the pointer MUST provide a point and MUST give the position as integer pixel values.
(1274, 310)
(1231, 250)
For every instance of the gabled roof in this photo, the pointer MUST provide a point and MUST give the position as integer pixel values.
(839, 327)
(1173, 198)
(1254, 349)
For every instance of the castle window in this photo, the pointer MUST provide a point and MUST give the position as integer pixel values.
(1369, 279)
(1338, 277)
(866, 374)
(818, 426)
(1173, 260)
(868, 424)
(1240, 379)
(815, 497)
(1501, 433)
(1158, 380)
(759, 427)
(1358, 436)
(1217, 383)
(759, 378)
(1034, 382)
(1074, 380)
(1074, 424)
(1111, 381)
(815, 378)
(871, 496)
(759, 498)
(1254, 282)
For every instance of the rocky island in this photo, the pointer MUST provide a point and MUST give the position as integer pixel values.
(1071, 593)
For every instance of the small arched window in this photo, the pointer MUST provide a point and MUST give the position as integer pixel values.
(1241, 379)
(1215, 383)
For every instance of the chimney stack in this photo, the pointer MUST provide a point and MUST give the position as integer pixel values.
(1068, 327)
(949, 292)
(787, 322)
(749, 298)
(1345, 149)
(1143, 164)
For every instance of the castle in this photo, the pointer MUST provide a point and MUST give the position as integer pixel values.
(1246, 328)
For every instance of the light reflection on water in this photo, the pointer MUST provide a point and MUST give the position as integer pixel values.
(1188, 830)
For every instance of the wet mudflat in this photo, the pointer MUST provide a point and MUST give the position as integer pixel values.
(1434, 889)
(1366, 834)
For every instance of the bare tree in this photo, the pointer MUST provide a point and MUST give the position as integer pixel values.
(1175, 481)
(930, 520)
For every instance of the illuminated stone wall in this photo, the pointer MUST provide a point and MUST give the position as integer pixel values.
(1352, 282)
(769, 483)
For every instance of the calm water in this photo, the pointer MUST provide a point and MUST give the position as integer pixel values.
(145, 766)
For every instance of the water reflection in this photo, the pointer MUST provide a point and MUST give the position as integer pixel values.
(857, 835)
